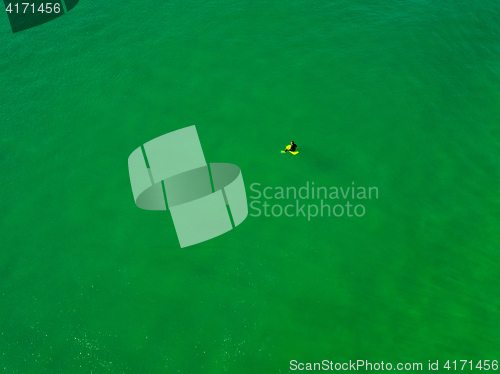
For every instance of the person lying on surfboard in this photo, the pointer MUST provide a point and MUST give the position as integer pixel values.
(290, 148)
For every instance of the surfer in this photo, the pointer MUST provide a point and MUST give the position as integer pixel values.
(290, 147)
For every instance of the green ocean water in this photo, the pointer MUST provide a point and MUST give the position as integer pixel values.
(400, 95)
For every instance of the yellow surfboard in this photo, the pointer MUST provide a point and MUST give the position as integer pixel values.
(288, 147)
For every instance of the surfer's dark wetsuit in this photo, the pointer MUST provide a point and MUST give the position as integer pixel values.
(293, 146)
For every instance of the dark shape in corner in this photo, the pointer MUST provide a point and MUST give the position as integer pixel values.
(70, 4)
(22, 17)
